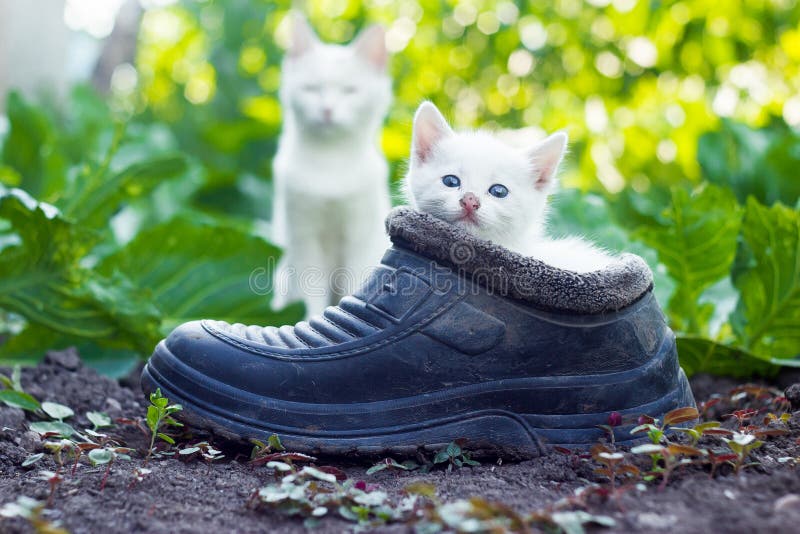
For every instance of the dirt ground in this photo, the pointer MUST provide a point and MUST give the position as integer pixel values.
(179, 496)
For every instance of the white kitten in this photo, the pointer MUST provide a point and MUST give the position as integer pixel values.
(494, 191)
(331, 179)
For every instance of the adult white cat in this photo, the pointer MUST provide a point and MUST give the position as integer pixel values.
(330, 177)
(496, 192)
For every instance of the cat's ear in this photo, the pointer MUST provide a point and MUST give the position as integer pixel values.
(430, 127)
(545, 158)
(303, 36)
(371, 45)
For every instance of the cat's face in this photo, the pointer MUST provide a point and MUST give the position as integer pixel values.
(330, 89)
(474, 181)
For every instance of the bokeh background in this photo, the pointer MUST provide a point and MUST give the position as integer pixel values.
(150, 126)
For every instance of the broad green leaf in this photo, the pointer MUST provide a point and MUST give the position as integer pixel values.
(274, 442)
(98, 419)
(166, 438)
(697, 244)
(700, 355)
(98, 193)
(767, 317)
(28, 346)
(41, 278)
(19, 399)
(100, 456)
(152, 418)
(753, 162)
(52, 427)
(57, 411)
(377, 467)
(28, 149)
(202, 271)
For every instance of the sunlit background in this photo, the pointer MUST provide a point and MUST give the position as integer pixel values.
(662, 100)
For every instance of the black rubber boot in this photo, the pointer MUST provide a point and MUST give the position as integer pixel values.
(451, 337)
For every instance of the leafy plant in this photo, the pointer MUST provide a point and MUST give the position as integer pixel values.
(613, 466)
(742, 445)
(34, 512)
(391, 463)
(454, 455)
(656, 431)
(273, 452)
(53, 480)
(201, 449)
(159, 416)
(107, 456)
(666, 458)
(312, 493)
(70, 279)
(13, 395)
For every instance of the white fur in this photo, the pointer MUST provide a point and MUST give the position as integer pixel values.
(331, 179)
(516, 221)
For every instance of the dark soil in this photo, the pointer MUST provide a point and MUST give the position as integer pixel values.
(181, 496)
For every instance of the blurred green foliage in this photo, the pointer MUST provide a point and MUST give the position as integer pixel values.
(682, 115)
(628, 79)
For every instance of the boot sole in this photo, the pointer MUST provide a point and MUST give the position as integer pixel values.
(488, 431)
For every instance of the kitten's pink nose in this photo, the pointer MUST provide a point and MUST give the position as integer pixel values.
(470, 202)
(327, 113)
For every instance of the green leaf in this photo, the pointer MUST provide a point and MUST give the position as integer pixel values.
(166, 438)
(700, 355)
(441, 457)
(41, 278)
(697, 243)
(753, 162)
(32, 459)
(767, 317)
(275, 443)
(377, 467)
(99, 419)
(153, 418)
(203, 270)
(57, 411)
(18, 399)
(28, 149)
(453, 449)
(99, 194)
(100, 456)
(52, 427)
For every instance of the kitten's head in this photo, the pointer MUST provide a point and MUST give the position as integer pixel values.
(474, 181)
(331, 89)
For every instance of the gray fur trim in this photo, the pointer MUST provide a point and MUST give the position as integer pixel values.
(510, 274)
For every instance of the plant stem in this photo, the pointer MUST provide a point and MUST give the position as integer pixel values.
(105, 476)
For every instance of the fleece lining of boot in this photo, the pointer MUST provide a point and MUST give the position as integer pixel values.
(520, 277)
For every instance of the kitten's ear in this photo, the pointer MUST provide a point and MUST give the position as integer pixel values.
(371, 45)
(303, 36)
(430, 127)
(545, 158)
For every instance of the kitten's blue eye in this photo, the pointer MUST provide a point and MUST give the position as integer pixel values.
(451, 180)
(498, 190)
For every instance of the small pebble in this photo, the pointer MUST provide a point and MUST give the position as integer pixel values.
(792, 394)
(67, 358)
(790, 501)
(652, 520)
(11, 419)
(31, 441)
(113, 406)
